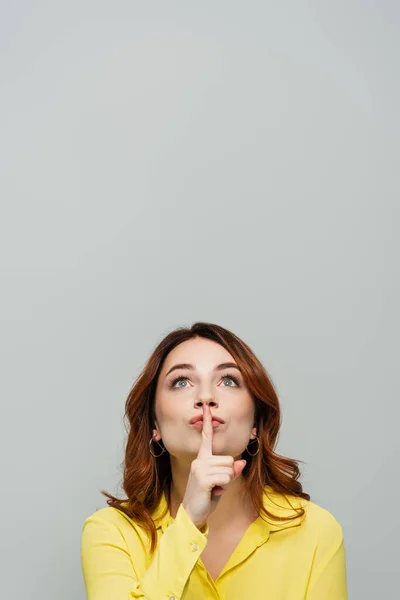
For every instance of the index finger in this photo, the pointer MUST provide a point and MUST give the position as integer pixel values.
(206, 433)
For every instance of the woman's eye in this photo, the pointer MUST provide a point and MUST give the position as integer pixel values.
(234, 379)
(230, 379)
(175, 381)
(181, 379)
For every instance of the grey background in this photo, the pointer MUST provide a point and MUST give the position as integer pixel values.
(168, 162)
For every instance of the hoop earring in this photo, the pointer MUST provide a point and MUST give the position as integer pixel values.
(156, 455)
(256, 440)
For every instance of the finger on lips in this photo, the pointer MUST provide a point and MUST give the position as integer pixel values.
(207, 433)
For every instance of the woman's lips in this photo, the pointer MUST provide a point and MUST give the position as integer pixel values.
(199, 424)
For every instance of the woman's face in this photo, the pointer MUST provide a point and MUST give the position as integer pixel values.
(181, 393)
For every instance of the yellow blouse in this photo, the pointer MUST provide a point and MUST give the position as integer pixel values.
(303, 559)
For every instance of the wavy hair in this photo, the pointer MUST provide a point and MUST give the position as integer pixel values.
(146, 478)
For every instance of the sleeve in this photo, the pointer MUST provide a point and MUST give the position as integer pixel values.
(109, 568)
(328, 579)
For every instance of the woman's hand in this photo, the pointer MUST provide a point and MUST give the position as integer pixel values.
(209, 476)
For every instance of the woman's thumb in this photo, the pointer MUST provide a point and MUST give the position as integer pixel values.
(238, 467)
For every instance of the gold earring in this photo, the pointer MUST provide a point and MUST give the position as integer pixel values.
(256, 440)
(156, 455)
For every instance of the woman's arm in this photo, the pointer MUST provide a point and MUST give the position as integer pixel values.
(109, 569)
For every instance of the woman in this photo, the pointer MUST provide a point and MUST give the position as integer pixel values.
(215, 512)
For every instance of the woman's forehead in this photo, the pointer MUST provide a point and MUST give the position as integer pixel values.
(204, 355)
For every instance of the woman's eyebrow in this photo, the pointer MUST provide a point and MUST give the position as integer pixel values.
(190, 367)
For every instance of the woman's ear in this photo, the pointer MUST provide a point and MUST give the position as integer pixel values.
(156, 435)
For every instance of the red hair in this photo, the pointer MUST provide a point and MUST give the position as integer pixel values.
(146, 478)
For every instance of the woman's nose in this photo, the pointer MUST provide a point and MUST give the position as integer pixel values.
(209, 402)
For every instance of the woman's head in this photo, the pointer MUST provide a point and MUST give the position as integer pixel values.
(200, 371)
(159, 406)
